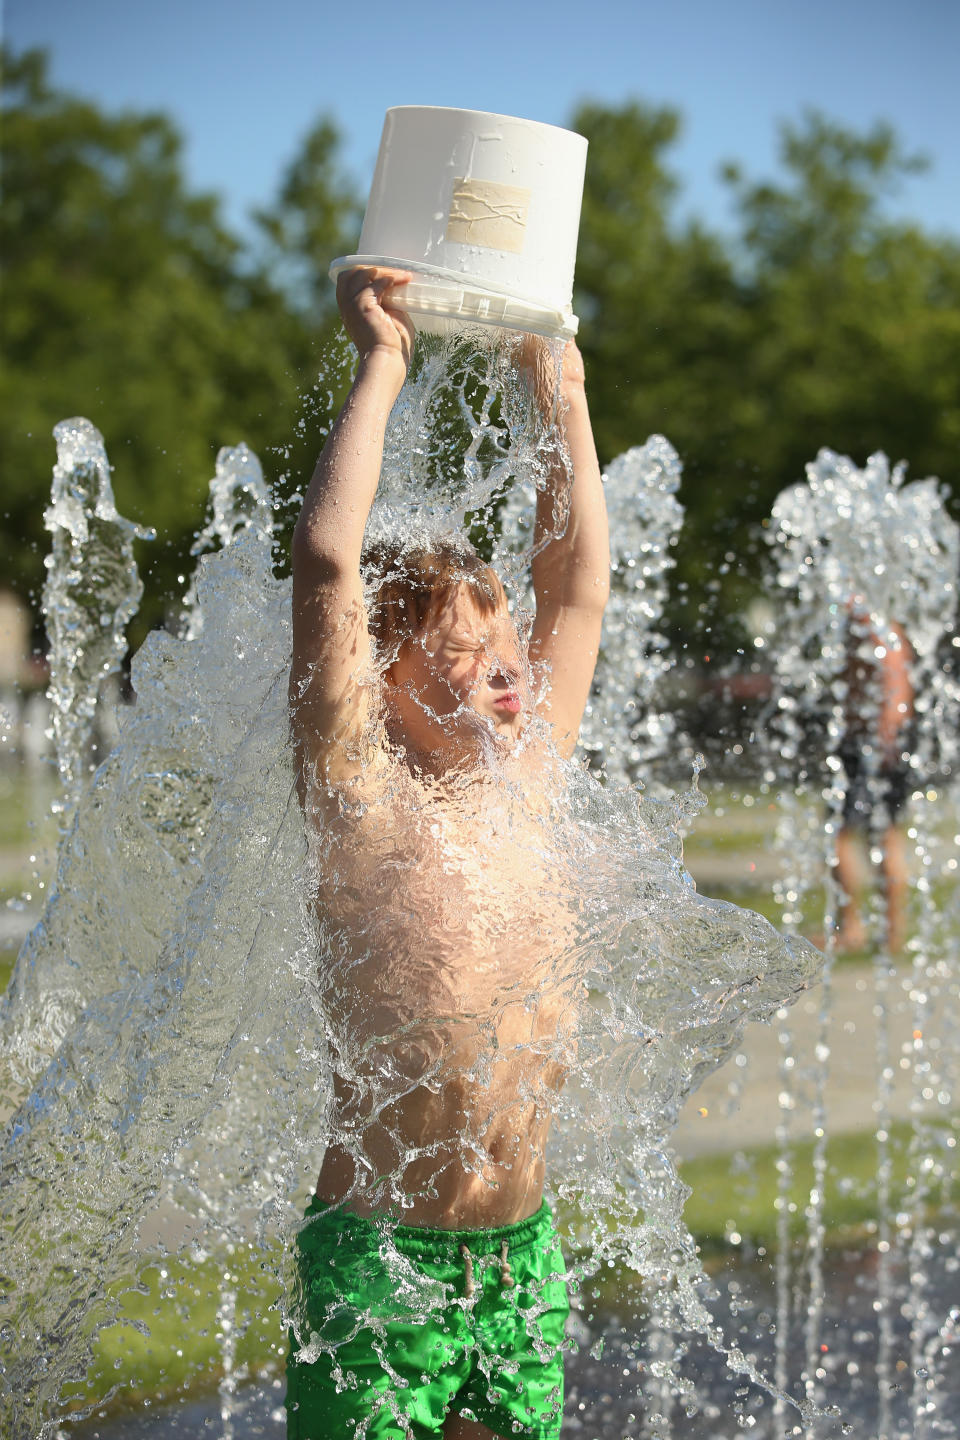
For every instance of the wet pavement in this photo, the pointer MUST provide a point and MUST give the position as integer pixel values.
(742, 1100)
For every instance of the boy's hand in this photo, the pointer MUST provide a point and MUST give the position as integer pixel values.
(363, 295)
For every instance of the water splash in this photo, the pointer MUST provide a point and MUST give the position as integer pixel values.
(134, 1017)
(868, 567)
(168, 1034)
(462, 436)
(91, 592)
(624, 730)
(240, 500)
(863, 535)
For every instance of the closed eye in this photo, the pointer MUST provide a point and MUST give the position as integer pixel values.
(470, 647)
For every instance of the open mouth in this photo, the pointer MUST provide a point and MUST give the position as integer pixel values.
(509, 702)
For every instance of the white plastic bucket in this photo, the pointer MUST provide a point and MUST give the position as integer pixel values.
(484, 209)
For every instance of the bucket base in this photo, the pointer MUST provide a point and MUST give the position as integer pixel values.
(442, 301)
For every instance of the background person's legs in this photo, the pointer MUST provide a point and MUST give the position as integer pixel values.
(851, 934)
(894, 865)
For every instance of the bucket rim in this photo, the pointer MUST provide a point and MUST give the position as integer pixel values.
(492, 115)
(477, 298)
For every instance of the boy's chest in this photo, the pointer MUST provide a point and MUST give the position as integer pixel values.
(482, 872)
(466, 901)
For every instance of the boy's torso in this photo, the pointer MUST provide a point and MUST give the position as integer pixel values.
(448, 933)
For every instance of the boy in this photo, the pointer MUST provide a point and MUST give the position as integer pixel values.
(427, 737)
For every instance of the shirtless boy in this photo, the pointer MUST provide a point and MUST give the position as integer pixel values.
(428, 737)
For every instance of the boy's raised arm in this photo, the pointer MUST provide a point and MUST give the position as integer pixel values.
(571, 572)
(331, 644)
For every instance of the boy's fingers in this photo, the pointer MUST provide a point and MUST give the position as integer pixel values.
(352, 283)
(389, 279)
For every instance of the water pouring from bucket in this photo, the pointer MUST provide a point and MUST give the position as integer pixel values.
(484, 210)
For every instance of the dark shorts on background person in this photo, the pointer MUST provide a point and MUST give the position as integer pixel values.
(881, 792)
(404, 1324)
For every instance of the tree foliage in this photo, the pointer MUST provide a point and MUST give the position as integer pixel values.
(819, 321)
(315, 214)
(857, 343)
(127, 300)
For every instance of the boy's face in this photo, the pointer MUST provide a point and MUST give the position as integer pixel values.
(463, 666)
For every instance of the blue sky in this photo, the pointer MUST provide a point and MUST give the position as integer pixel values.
(244, 78)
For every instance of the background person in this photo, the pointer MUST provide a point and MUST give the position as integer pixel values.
(878, 715)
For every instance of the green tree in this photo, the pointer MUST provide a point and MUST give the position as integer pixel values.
(659, 302)
(821, 322)
(857, 335)
(127, 300)
(664, 325)
(315, 217)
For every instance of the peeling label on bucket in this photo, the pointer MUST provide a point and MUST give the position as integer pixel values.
(484, 212)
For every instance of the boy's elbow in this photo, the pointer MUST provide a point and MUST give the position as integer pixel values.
(310, 555)
(602, 591)
(593, 592)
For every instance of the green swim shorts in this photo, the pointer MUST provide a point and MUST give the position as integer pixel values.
(400, 1324)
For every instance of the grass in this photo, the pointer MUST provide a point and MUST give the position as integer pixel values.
(169, 1337)
(763, 901)
(733, 822)
(739, 1196)
(7, 960)
(24, 807)
(8, 953)
(27, 844)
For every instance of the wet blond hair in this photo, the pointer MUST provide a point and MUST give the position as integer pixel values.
(412, 585)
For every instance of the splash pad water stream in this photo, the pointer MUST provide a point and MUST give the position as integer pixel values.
(868, 565)
(165, 1037)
